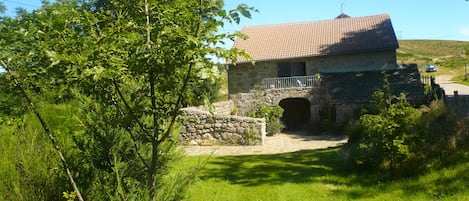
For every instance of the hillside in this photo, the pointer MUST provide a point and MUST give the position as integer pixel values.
(449, 56)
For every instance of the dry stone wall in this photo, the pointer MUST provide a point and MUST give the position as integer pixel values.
(218, 108)
(202, 127)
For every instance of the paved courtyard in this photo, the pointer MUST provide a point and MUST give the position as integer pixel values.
(281, 143)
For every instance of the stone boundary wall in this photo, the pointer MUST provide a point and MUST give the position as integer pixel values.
(219, 108)
(244, 102)
(200, 127)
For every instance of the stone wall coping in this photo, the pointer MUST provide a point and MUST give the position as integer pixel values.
(221, 107)
(222, 103)
(200, 111)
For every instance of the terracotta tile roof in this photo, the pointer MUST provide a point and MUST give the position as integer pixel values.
(337, 36)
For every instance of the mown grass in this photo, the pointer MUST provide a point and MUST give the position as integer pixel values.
(318, 175)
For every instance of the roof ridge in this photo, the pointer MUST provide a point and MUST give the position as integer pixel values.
(314, 21)
(314, 38)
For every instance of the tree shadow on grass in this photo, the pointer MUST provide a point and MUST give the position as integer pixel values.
(449, 182)
(296, 167)
(329, 167)
(434, 185)
(436, 188)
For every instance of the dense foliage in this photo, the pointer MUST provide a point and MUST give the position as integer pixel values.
(9, 97)
(272, 115)
(260, 109)
(384, 138)
(123, 69)
(397, 138)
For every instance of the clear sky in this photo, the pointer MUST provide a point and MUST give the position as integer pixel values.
(27, 4)
(412, 19)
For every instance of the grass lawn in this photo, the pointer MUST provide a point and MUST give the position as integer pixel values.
(317, 175)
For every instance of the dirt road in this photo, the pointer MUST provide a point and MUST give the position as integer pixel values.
(281, 143)
(450, 87)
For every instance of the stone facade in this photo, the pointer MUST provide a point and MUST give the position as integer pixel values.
(249, 101)
(345, 112)
(371, 61)
(203, 127)
(244, 77)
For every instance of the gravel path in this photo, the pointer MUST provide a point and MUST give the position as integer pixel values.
(450, 87)
(281, 143)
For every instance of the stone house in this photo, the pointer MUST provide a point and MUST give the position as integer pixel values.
(305, 67)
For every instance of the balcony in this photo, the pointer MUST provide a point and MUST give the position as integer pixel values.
(290, 82)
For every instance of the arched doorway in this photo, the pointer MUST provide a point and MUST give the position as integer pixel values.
(296, 114)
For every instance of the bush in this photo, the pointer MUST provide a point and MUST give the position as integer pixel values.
(383, 139)
(251, 137)
(442, 133)
(405, 140)
(272, 116)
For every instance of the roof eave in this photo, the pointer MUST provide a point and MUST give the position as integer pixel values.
(316, 55)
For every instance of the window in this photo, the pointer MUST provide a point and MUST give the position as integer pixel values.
(289, 69)
(283, 69)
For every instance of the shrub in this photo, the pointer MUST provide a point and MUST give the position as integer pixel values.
(383, 139)
(405, 140)
(251, 137)
(442, 133)
(272, 116)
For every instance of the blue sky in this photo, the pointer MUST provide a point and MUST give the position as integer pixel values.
(412, 19)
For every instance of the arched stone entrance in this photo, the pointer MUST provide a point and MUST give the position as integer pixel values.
(296, 113)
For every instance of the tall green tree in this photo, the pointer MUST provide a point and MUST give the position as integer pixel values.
(2, 7)
(133, 65)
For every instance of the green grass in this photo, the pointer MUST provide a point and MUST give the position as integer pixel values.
(318, 175)
(29, 166)
(449, 56)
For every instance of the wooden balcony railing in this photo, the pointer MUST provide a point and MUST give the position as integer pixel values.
(289, 82)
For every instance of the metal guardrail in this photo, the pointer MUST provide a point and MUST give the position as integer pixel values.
(289, 82)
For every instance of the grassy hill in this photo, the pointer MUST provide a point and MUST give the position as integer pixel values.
(449, 56)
